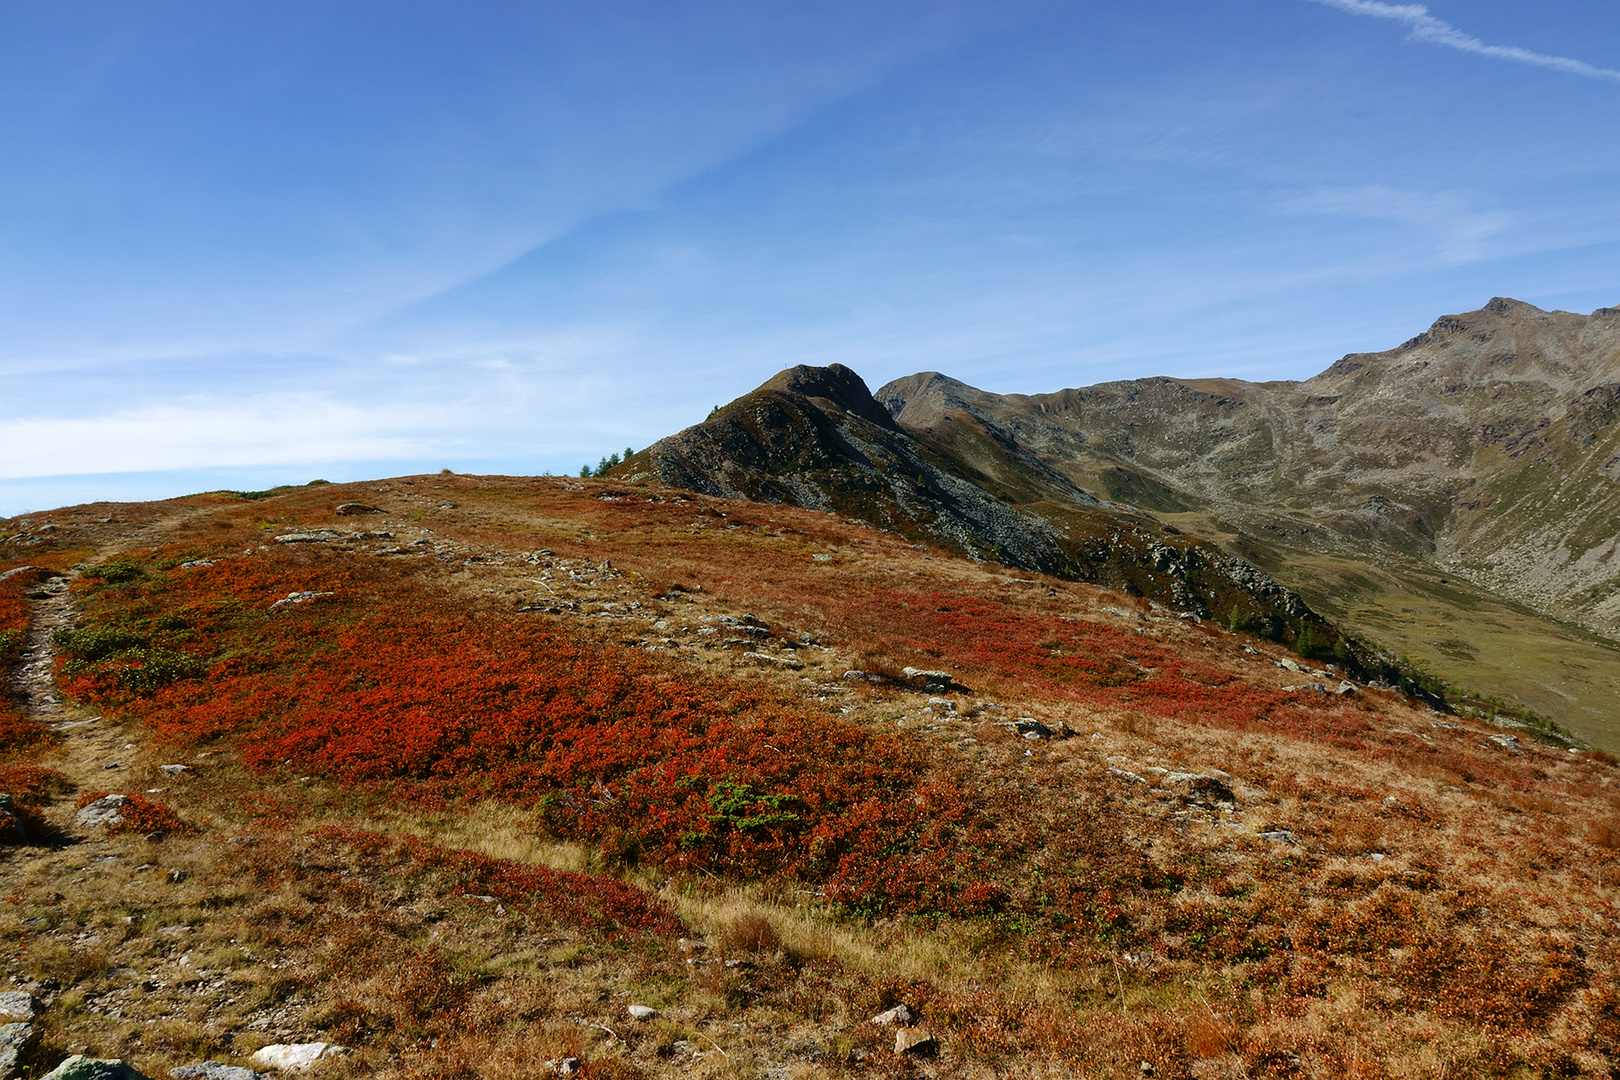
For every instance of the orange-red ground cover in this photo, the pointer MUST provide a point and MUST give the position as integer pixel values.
(386, 680)
(31, 788)
(17, 732)
(390, 681)
(140, 814)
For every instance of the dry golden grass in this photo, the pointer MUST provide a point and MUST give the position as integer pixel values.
(286, 935)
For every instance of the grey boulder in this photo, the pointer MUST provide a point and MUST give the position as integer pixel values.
(104, 813)
(79, 1067)
(214, 1070)
(19, 1005)
(15, 1042)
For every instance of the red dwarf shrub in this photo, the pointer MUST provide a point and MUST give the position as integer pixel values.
(18, 732)
(13, 616)
(31, 789)
(140, 814)
(386, 680)
(1083, 660)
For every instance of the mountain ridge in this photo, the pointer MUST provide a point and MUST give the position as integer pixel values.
(817, 439)
(1437, 449)
(1482, 454)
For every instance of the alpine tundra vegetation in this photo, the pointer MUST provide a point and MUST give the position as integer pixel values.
(612, 777)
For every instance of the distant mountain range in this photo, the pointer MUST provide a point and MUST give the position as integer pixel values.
(1485, 449)
(1487, 445)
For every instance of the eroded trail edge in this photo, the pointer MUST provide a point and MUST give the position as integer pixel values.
(33, 684)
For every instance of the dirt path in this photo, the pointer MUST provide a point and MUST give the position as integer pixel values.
(51, 609)
(102, 927)
(89, 751)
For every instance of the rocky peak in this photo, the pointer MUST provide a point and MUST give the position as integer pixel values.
(1507, 346)
(920, 400)
(835, 385)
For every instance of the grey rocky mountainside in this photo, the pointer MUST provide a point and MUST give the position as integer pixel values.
(816, 437)
(1486, 446)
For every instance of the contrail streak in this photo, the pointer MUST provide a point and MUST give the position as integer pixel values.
(1426, 27)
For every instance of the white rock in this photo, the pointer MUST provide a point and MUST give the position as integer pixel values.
(779, 661)
(175, 770)
(103, 812)
(897, 1015)
(19, 1004)
(311, 536)
(643, 1012)
(300, 598)
(295, 1056)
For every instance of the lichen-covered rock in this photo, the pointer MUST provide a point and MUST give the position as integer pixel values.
(79, 1067)
(15, 1042)
(897, 1015)
(1197, 786)
(924, 677)
(915, 1041)
(215, 1070)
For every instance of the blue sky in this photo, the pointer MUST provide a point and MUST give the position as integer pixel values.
(256, 243)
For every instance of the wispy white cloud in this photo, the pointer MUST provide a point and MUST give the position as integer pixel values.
(1426, 27)
(1459, 227)
(282, 430)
